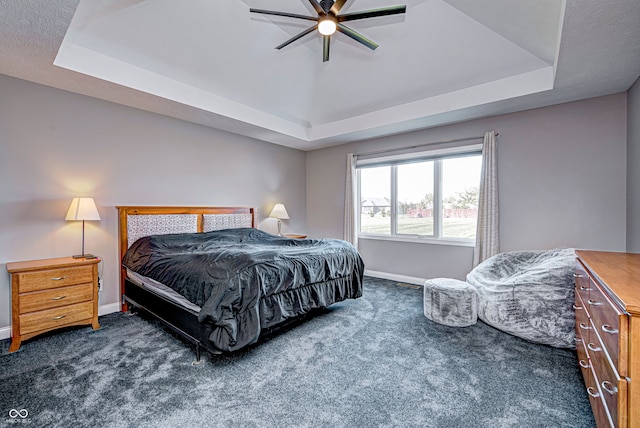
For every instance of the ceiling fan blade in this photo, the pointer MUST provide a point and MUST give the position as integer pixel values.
(297, 36)
(317, 7)
(337, 6)
(326, 41)
(394, 10)
(357, 36)
(286, 14)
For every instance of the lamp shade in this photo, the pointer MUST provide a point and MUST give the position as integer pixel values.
(279, 212)
(82, 209)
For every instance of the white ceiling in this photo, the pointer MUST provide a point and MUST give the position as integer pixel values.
(214, 63)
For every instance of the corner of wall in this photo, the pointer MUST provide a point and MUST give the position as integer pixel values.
(633, 168)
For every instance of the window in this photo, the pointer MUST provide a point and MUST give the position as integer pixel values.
(421, 197)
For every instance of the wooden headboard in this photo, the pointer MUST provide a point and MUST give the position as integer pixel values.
(136, 222)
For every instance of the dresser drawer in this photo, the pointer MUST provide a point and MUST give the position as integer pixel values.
(53, 278)
(608, 321)
(612, 388)
(583, 282)
(583, 362)
(582, 321)
(54, 318)
(55, 297)
(600, 410)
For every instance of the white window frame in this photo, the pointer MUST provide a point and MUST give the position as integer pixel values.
(437, 156)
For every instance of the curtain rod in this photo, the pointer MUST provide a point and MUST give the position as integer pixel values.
(420, 145)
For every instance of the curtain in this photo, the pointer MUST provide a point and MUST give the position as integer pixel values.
(487, 231)
(350, 203)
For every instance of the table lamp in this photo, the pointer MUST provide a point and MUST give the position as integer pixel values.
(279, 212)
(83, 209)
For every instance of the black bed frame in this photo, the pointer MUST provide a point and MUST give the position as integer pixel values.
(184, 322)
(181, 320)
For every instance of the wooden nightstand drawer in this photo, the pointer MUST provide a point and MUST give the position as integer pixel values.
(56, 297)
(54, 318)
(53, 278)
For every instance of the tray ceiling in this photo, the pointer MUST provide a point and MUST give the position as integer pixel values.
(214, 63)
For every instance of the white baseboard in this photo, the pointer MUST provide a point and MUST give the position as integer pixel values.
(109, 309)
(5, 332)
(395, 277)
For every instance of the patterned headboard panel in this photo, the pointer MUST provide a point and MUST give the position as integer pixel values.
(139, 226)
(226, 221)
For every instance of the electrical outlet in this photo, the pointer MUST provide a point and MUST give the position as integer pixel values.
(100, 284)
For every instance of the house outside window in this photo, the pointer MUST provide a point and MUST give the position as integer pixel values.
(425, 196)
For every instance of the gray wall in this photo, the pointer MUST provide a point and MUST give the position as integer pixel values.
(633, 168)
(55, 145)
(562, 179)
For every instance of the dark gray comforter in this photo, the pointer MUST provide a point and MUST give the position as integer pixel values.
(245, 280)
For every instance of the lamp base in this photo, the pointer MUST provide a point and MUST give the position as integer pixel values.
(84, 256)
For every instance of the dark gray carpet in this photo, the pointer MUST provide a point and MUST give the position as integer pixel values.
(372, 362)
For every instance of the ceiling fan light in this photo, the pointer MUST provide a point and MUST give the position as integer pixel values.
(327, 26)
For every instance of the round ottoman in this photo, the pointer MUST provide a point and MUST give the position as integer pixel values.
(450, 302)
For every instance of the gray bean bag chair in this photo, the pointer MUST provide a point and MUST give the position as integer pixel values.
(528, 294)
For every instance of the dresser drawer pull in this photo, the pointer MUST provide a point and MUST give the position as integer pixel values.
(584, 326)
(609, 387)
(608, 329)
(593, 347)
(593, 302)
(60, 278)
(584, 364)
(577, 275)
(592, 392)
(58, 298)
(578, 340)
(576, 308)
(58, 317)
(583, 288)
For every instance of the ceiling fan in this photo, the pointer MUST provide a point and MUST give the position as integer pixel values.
(329, 21)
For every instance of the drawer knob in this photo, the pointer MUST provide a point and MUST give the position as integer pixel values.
(593, 392)
(576, 308)
(608, 329)
(58, 317)
(58, 298)
(583, 288)
(593, 302)
(609, 387)
(584, 326)
(59, 278)
(584, 364)
(593, 347)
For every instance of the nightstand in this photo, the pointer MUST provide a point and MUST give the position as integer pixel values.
(294, 236)
(50, 294)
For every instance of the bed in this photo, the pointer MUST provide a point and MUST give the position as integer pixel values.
(219, 282)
